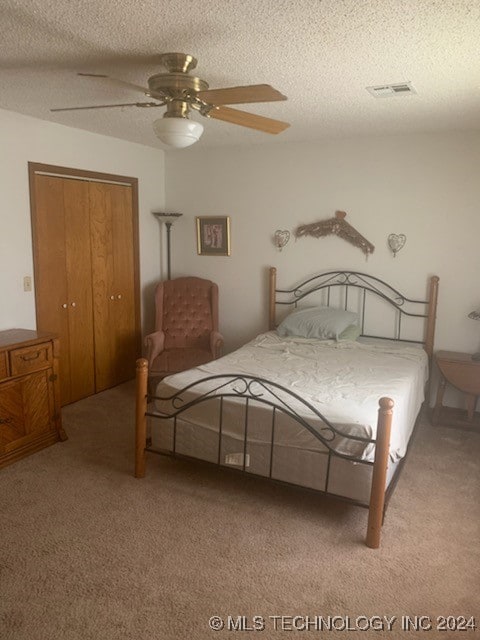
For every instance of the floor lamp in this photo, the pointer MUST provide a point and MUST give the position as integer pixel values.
(168, 219)
(475, 315)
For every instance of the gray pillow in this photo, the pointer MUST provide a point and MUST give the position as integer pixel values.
(352, 332)
(324, 323)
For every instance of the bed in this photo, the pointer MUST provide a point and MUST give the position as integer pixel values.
(332, 412)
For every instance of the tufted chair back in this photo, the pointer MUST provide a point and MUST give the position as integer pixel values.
(186, 326)
(187, 312)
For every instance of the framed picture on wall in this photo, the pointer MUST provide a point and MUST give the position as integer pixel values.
(213, 235)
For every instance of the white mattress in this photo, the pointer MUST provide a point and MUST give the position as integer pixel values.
(343, 381)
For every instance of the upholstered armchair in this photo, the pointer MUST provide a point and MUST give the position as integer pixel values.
(186, 326)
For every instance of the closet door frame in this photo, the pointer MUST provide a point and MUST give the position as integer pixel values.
(95, 176)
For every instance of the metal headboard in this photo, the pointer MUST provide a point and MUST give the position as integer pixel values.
(367, 285)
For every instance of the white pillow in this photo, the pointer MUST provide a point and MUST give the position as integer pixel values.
(324, 323)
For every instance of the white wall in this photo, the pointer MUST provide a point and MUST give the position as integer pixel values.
(425, 186)
(25, 139)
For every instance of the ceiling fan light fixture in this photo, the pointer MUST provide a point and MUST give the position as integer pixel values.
(178, 132)
(181, 92)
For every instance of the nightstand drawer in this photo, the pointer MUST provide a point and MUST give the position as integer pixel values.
(30, 358)
(3, 365)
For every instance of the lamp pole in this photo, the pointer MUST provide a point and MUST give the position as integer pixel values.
(168, 219)
(168, 226)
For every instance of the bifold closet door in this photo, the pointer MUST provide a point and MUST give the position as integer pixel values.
(112, 242)
(63, 279)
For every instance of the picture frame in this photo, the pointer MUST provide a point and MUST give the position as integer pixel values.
(213, 235)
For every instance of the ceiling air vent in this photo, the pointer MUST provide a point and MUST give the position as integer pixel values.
(389, 90)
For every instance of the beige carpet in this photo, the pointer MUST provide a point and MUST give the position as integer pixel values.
(88, 552)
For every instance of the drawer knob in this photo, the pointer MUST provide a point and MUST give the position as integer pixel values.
(64, 305)
(74, 304)
(119, 297)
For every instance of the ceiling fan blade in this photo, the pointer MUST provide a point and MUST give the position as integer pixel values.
(241, 95)
(244, 119)
(122, 83)
(110, 106)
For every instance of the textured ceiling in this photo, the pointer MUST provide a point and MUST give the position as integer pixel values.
(320, 53)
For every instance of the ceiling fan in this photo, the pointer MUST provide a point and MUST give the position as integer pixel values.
(181, 92)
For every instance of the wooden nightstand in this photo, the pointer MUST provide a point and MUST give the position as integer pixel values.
(459, 370)
(29, 393)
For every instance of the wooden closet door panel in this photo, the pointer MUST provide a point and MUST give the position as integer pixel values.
(113, 274)
(63, 245)
(79, 286)
(124, 283)
(51, 292)
(103, 283)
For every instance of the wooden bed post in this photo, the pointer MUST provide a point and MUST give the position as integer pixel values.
(140, 417)
(271, 305)
(432, 314)
(379, 477)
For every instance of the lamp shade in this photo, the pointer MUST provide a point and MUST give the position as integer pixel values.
(177, 132)
(166, 217)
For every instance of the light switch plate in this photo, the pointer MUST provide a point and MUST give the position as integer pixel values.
(27, 283)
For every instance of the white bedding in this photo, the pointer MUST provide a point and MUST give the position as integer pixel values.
(342, 380)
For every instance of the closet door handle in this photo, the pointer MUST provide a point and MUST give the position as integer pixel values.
(119, 297)
(74, 304)
(112, 297)
(64, 305)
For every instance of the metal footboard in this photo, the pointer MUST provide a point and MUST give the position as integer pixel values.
(246, 390)
(278, 401)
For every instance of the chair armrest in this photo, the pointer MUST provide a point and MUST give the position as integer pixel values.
(216, 344)
(155, 343)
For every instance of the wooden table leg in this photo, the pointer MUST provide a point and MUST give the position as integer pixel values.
(439, 401)
(471, 404)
